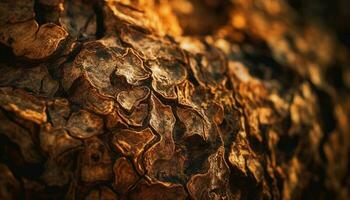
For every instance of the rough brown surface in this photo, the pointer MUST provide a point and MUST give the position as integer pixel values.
(172, 100)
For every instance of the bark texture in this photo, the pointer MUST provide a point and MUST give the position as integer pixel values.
(173, 99)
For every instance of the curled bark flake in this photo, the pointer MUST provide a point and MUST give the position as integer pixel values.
(58, 110)
(169, 171)
(97, 64)
(137, 117)
(185, 91)
(133, 143)
(131, 98)
(131, 67)
(91, 99)
(129, 14)
(23, 105)
(215, 183)
(209, 72)
(194, 124)
(239, 153)
(162, 121)
(255, 168)
(150, 47)
(31, 41)
(113, 120)
(165, 76)
(125, 176)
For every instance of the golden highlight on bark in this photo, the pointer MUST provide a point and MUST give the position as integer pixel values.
(172, 100)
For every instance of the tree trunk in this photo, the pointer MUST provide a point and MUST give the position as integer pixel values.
(174, 99)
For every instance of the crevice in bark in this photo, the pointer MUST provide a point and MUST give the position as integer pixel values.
(100, 28)
(7, 55)
(328, 121)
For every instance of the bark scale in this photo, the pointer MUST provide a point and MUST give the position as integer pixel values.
(171, 100)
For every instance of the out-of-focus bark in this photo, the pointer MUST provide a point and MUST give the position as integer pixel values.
(172, 99)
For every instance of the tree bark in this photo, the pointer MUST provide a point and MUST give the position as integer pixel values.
(168, 99)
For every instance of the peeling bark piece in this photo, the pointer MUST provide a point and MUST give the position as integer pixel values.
(58, 110)
(187, 96)
(31, 41)
(137, 117)
(169, 171)
(83, 124)
(215, 183)
(10, 187)
(47, 39)
(133, 143)
(214, 66)
(37, 80)
(185, 92)
(56, 141)
(129, 99)
(302, 109)
(194, 124)
(266, 116)
(71, 72)
(215, 113)
(155, 17)
(79, 19)
(113, 120)
(131, 67)
(239, 72)
(103, 193)
(239, 153)
(113, 43)
(21, 137)
(125, 176)
(162, 118)
(293, 176)
(257, 90)
(208, 73)
(96, 162)
(163, 121)
(23, 104)
(146, 190)
(255, 168)
(150, 47)
(165, 76)
(97, 64)
(129, 14)
(98, 103)
(91, 99)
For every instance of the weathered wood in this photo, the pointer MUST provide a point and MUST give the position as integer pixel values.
(171, 100)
